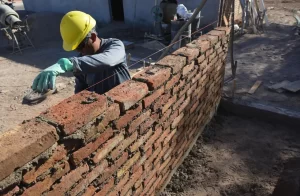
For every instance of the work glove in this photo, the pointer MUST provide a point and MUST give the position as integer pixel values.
(46, 79)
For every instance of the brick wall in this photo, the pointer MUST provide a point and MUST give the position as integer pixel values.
(126, 142)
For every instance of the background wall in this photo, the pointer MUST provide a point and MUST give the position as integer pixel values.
(128, 141)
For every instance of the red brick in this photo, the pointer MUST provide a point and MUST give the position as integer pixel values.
(91, 147)
(159, 158)
(150, 178)
(69, 180)
(107, 148)
(151, 98)
(192, 89)
(123, 145)
(133, 179)
(202, 45)
(149, 161)
(177, 120)
(165, 116)
(189, 53)
(178, 87)
(192, 74)
(217, 33)
(225, 29)
(155, 76)
(139, 120)
(213, 58)
(209, 52)
(42, 186)
(128, 93)
(90, 191)
(179, 102)
(142, 160)
(12, 192)
(76, 111)
(130, 114)
(23, 143)
(175, 62)
(122, 182)
(128, 164)
(161, 139)
(171, 101)
(213, 39)
(165, 163)
(106, 188)
(113, 193)
(218, 46)
(112, 113)
(202, 80)
(184, 90)
(173, 81)
(140, 141)
(102, 169)
(146, 126)
(154, 187)
(188, 68)
(194, 107)
(161, 101)
(148, 185)
(184, 105)
(150, 142)
(171, 119)
(59, 153)
(203, 65)
(138, 191)
(201, 59)
(170, 136)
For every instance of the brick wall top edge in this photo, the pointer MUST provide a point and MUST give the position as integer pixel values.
(74, 112)
(128, 93)
(23, 143)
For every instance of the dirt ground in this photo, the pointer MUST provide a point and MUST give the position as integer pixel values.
(271, 58)
(235, 156)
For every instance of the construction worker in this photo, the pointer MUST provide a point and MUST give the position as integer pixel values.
(101, 64)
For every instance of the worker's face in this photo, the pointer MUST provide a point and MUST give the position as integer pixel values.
(86, 47)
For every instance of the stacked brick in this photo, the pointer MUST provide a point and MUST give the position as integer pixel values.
(126, 142)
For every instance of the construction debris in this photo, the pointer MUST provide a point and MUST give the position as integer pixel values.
(255, 87)
(286, 85)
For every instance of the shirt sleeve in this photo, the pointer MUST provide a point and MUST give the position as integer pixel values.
(113, 55)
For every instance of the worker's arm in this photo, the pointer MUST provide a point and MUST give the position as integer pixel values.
(113, 55)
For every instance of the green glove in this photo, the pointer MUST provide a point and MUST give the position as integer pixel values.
(46, 79)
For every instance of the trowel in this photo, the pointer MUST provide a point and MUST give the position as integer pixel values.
(34, 97)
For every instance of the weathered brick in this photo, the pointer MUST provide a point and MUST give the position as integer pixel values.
(194, 107)
(154, 186)
(173, 81)
(91, 147)
(12, 192)
(140, 141)
(42, 186)
(107, 148)
(189, 53)
(175, 62)
(202, 81)
(76, 111)
(165, 116)
(171, 101)
(146, 126)
(148, 162)
(192, 89)
(90, 191)
(59, 153)
(192, 74)
(102, 169)
(178, 87)
(122, 182)
(23, 143)
(106, 187)
(130, 114)
(161, 101)
(188, 68)
(155, 76)
(184, 105)
(128, 93)
(169, 137)
(141, 161)
(200, 59)
(123, 145)
(179, 102)
(161, 139)
(139, 120)
(212, 57)
(150, 178)
(153, 138)
(69, 180)
(184, 90)
(213, 39)
(196, 78)
(209, 52)
(112, 113)
(217, 33)
(148, 186)
(138, 191)
(201, 44)
(128, 164)
(133, 179)
(177, 120)
(147, 101)
(171, 119)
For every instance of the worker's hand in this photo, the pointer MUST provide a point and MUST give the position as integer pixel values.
(46, 79)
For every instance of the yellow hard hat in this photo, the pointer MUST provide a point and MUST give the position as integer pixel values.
(74, 27)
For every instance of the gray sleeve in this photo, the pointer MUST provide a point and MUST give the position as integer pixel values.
(113, 55)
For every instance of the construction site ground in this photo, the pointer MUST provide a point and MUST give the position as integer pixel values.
(235, 155)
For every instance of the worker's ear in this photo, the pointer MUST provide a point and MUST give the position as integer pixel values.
(94, 37)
